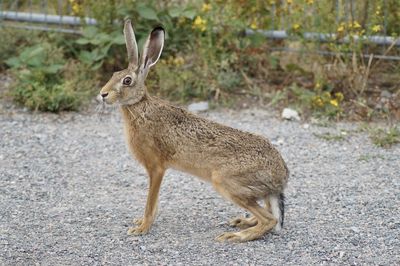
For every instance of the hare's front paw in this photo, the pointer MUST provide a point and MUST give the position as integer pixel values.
(139, 230)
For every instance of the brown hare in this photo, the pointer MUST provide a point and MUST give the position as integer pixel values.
(241, 166)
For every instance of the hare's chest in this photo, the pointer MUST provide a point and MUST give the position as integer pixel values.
(143, 145)
(136, 142)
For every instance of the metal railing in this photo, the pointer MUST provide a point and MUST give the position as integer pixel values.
(36, 15)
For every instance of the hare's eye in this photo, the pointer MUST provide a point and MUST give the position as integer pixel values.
(127, 81)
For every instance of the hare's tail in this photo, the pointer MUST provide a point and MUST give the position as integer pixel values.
(277, 203)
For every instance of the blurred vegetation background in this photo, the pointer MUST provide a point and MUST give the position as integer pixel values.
(209, 56)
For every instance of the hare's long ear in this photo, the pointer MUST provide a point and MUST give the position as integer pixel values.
(152, 48)
(131, 45)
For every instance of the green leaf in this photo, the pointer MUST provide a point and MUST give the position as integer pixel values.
(104, 50)
(82, 41)
(97, 65)
(101, 38)
(30, 52)
(89, 32)
(120, 39)
(86, 57)
(98, 55)
(189, 13)
(147, 12)
(13, 62)
(36, 61)
(33, 56)
(53, 69)
(175, 12)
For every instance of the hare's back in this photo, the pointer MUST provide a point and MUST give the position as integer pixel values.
(197, 137)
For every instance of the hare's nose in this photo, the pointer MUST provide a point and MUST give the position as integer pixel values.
(104, 95)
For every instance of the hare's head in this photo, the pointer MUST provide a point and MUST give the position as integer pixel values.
(127, 86)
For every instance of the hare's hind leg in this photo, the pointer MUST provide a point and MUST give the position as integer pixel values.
(265, 220)
(143, 224)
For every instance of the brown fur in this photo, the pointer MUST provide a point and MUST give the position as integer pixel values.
(241, 166)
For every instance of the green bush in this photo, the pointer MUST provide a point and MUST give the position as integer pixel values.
(12, 38)
(44, 80)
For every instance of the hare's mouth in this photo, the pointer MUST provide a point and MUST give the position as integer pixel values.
(108, 98)
(109, 101)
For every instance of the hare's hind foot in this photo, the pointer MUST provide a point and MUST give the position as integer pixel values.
(243, 223)
(228, 236)
(248, 234)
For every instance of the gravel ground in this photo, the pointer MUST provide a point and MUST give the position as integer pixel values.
(69, 190)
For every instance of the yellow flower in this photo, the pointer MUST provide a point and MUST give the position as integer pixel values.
(199, 23)
(289, 2)
(318, 101)
(76, 7)
(341, 27)
(206, 7)
(355, 25)
(296, 26)
(326, 95)
(310, 2)
(376, 28)
(253, 25)
(334, 102)
(339, 96)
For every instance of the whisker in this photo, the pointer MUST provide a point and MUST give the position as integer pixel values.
(100, 110)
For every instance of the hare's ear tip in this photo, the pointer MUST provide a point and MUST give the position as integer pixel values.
(158, 28)
(127, 21)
